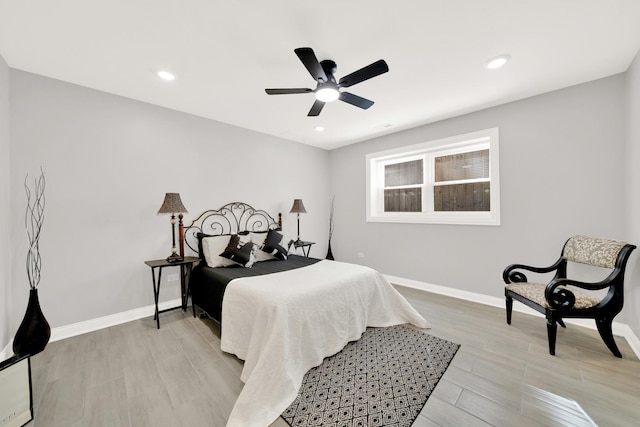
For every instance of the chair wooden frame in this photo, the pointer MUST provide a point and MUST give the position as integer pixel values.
(561, 300)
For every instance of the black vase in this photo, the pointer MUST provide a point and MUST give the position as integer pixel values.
(34, 331)
(329, 253)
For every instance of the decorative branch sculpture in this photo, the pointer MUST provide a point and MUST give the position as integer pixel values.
(331, 217)
(329, 252)
(34, 332)
(33, 219)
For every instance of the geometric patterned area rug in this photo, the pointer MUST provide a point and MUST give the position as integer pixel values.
(383, 379)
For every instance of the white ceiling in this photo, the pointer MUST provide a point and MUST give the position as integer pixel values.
(225, 53)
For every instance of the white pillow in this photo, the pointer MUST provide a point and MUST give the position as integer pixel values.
(212, 247)
(258, 239)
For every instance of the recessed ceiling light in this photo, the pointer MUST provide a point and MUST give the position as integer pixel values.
(165, 75)
(497, 62)
(319, 128)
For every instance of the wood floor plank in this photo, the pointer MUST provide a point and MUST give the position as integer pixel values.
(492, 412)
(222, 386)
(140, 372)
(505, 394)
(103, 365)
(200, 412)
(181, 380)
(443, 414)
(152, 407)
(62, 402)
(104, 404)
(549, 409)
(447, 391)
(163, 343)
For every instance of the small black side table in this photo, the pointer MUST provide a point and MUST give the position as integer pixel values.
(185, 272)
(302, 244)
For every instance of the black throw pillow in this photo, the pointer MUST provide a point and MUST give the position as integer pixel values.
(273, 247)
(242, 251)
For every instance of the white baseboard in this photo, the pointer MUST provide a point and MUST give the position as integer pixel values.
(80, 328)
(91, 325)
(621, 329)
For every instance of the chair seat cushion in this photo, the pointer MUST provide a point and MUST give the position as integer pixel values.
(535, 292)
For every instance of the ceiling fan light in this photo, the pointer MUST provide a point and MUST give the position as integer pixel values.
(327, 94)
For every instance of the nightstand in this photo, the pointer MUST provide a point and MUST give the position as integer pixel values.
(185, 271)
(306, 246)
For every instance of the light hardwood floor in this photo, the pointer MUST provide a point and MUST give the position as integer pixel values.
(135, 375)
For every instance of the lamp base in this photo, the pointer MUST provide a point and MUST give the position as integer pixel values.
(174, 257)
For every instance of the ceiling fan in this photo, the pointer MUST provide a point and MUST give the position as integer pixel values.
(327, 90)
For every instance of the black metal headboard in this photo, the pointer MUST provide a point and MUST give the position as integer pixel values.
(230, 219)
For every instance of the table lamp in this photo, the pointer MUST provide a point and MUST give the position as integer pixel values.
(298, 208)
(173, 205)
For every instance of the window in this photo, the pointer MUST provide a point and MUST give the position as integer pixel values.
(403, 186)
(448, 181)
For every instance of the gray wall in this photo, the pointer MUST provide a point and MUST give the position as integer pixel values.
(108, 161)
(561, 170)
(5, 212)
(633, 191)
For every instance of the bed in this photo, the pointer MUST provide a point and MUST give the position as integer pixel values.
(280, 313)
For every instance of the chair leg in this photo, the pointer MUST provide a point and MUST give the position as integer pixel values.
(604, 327)
(509, 303)
(561, 323)
(552, 330)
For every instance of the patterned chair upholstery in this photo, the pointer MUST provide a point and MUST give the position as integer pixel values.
(558, 301)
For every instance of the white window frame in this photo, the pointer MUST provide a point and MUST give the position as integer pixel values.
(375, 162)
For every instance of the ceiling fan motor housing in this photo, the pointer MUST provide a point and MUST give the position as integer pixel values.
(329, 68)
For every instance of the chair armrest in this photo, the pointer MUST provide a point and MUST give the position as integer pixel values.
(591, 286)
(563, 298)
(560, 298)
(552, 287)
(511, 276)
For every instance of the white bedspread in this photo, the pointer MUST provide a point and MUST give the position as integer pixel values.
(282, 328)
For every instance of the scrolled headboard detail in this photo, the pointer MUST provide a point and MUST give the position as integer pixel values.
(230, 219)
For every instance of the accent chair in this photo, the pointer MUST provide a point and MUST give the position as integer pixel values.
(565, 298)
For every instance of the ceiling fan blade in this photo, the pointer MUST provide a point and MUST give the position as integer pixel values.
(287, 91)
(356, 100)
(316, 108)
(371, 70)
(310, 61)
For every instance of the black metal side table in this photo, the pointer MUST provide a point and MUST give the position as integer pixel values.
(185, 272)
(306, 246)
